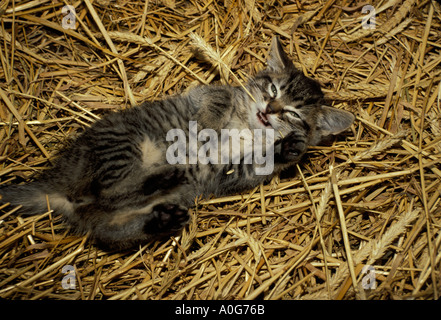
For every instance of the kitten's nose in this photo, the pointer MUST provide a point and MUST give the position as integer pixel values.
(273, 107)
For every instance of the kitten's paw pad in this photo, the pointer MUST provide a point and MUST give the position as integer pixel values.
(293, 147)
(166, 219)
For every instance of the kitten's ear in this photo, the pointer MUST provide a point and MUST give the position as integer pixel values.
(333, 121)
(278, 60)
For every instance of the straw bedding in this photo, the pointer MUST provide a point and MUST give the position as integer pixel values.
(359, 218)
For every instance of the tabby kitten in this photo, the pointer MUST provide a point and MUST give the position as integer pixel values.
(116, 179)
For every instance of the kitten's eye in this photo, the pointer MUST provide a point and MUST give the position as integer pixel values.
(273, 91)
(294, 114)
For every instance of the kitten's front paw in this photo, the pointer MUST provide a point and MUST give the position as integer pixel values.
(293, 147)
(166, 219)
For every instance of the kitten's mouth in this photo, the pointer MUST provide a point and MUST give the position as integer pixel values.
(263, 119)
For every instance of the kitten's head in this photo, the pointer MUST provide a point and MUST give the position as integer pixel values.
(286, 100)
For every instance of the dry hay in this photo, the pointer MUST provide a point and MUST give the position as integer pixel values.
(369, 199)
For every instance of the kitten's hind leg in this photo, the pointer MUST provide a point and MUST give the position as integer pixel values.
(139, 187)
(167, 178)
(141, 207)
(137, 227)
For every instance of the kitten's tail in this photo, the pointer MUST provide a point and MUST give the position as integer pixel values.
(31, 196)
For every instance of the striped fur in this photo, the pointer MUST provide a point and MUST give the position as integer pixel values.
(114, 180)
